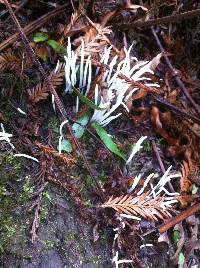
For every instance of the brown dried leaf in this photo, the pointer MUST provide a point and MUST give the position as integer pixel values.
(155, 119)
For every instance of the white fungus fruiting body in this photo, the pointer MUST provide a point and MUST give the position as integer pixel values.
(79, 74)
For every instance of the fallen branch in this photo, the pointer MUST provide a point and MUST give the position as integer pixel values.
(177, 110)
(182, 216)
(133, 83)
(155, 149)
(164, 20)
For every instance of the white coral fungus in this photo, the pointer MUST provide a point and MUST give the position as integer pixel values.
(79, 74)
(5, 136)
(159, 189)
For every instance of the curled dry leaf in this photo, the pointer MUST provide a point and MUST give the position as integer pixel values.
(156, 121)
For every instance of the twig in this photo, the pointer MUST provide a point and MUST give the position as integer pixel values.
(154, 146)
(18, 8)
(133, 83)
(177, 110)
(175, 220)
(54, 93)
(92, 134)
(36, 220)
(182, 216)
(33, 26)
(155, 149)
(154, 22)
(175, 73)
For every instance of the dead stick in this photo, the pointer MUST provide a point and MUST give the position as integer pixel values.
(155, 149)
(33, 26)
(154, 22)
(133, 83)
(53, 92)
(177, 110)
(182, 216)
(175, 73)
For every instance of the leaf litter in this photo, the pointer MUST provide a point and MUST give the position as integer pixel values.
(108, 91)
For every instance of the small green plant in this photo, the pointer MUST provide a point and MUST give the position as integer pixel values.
(28, 189)
(53, 125)
(181, 259)
(40, 37)
(147, 146)
(176, 236)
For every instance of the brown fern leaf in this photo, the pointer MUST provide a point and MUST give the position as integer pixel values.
(57, 78)
(74, 26)
(51, 151)
(185, 182)
(148, 208)
(37, 93)
(194, 174)
(40, 91)
(9, 61)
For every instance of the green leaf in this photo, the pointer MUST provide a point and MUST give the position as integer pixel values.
(107, 140)
(40, 37)
(181, 259)
(176, 236)
(79, 129)
(86, 100)
(65, 146)
(55, 45)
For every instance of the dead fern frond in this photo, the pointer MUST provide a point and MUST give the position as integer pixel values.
(40, 91)
(149, 208)
(95, 40)
(51, 151)
(73, 26)
(186, 170)
(8, 61)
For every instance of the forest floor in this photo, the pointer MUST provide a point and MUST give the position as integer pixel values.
(76, 191)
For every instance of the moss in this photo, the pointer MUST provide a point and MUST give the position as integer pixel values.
(95, 260)
(49, 243)
(11, 197)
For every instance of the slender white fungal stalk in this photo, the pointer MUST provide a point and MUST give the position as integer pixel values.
(136, 148)
(117, 261)
(80, 74)
(61, 135)
(77, 74)
(6, 136)
(26, 156)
